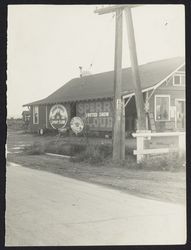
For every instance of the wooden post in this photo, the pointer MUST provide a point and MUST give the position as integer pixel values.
(146, 107)
(140, 148)
(117, 86)
(134, 64)
(119, 118)
(123, 130)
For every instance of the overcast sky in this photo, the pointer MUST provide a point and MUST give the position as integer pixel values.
(48, 43)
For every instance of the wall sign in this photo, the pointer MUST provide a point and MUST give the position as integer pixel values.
(97, 114)
(91, 114)
(76, 124)
(58, 116)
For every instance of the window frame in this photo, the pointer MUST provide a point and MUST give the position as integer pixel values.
(34, 114)
(166, 120)
(180, 77)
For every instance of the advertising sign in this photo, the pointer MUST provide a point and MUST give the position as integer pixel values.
(98, 114)
(76, 125)
(58, 116)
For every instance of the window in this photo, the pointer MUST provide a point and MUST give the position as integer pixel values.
(179, 80)
(35, 115)
(162, 108)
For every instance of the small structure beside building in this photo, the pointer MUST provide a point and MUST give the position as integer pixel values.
(26, 114)
(26, 117)
(90, 97)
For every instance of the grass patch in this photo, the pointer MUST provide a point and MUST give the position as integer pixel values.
(101, 154)
(128, 177)
(83, 152)
(36, 148)
(166, 162)
(63, 148)
(94, 154)
(54, 147)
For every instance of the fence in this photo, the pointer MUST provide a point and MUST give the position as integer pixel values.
(142, 139)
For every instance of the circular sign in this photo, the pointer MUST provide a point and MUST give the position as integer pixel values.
(58, 116)
(76, 124)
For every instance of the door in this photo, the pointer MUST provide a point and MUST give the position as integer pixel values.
(180, 114)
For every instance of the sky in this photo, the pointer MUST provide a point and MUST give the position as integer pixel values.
(48, 43)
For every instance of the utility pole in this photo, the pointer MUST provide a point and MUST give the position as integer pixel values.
(123, 130)
(117, 135)
(117, 86)
(119, 109)
(135, 70)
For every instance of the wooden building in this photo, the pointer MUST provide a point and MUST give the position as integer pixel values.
(91, 98)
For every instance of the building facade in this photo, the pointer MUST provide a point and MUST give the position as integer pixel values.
(91, 98)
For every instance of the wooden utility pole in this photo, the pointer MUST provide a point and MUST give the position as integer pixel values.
(135, 70)
(117, 86)
(117, 135)
(119, 109)
(123, 130)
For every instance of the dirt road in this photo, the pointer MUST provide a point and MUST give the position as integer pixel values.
(44, 209)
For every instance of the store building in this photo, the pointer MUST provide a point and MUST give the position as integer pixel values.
(91, 98)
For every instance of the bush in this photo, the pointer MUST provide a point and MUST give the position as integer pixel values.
(62, 148)
(94, 154)
(77, 149)
(35, 149)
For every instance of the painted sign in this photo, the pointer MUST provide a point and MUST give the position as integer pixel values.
(100, 114)
(58, 116)
(76, 124)
(91, 114)
(97, 114)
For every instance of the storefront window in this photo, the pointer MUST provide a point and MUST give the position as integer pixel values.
(162, 108)
(35, 115)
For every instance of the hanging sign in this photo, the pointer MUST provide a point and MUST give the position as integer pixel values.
(58, 116)
(76, 124)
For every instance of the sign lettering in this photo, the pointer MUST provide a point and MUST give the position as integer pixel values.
(98, 114)
(58, 116)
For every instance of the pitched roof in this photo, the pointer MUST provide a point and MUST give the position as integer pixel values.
(101, 85)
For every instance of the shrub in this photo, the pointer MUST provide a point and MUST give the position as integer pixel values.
(94, 154)
(77, 149)
(57, 148)
(64, 148)
(105, 149)
(35, 149)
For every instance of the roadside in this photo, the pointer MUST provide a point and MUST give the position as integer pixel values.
(159, 185)
(45, 209)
